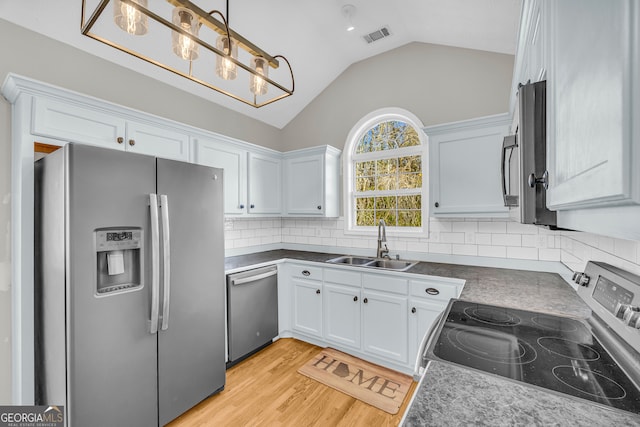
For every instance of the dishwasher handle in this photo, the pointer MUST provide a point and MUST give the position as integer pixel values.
(243, 280)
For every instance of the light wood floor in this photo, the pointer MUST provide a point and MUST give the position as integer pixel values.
(266, 390)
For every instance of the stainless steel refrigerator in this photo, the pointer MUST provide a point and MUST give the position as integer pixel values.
(129, 286)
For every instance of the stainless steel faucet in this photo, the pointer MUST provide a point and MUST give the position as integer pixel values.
(382, 238)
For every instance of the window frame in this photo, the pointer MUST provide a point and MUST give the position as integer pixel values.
(349, 161)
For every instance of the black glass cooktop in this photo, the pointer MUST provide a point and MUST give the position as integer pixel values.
(553, 352)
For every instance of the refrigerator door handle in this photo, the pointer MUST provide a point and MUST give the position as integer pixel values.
(155, 262)
(166, 261)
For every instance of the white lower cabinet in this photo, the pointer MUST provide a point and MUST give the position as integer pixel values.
(342, 311)
(422, 314)
(378, 314)
(307, 306)
(385, 325)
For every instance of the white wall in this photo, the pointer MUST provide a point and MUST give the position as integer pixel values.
(439, 84)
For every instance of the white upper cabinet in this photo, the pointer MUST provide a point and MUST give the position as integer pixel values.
(265, 184)
(85, 124)
(311, 184)
(74, 123)
(593, 129)
(233, 160)
(465, 178)
(157, 140)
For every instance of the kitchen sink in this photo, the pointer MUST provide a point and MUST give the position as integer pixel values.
(387, 264)
(391, 264)
(350, 260)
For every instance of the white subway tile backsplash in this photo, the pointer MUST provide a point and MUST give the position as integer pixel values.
(517, 228)
(506, 239)
(492, 227)
(440, 248)
(492, 251)
(483, 239)
(549, 254)
(471, 250)
(452, 238)
(522, 253)
(626, 249)
(462, 236)
(464, 227)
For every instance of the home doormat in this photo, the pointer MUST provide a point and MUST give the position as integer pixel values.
(378, 386)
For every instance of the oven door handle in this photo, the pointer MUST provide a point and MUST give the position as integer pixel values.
(421, 360)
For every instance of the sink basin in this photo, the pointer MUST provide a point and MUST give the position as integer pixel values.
(350, 260)
(390, 264)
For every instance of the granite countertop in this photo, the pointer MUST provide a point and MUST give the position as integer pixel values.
(526, 290)
(453, 395)
(450, 395)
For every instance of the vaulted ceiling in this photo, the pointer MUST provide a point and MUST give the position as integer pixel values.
(311, 34)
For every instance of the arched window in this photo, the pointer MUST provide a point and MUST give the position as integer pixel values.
(386, 173)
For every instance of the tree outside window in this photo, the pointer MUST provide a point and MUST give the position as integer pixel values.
(386, 162)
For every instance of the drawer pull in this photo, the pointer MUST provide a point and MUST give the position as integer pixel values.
(355, 298)
(413, 309)
(306, 273)
(366, 300)
(432, 291)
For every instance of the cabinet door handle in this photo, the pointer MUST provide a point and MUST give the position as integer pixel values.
(241, 206)
(252, 206)
(413, 309)
(120, 140)
(318, 291)
(366, 300)
(319, 207)
(306, 273)
(432, 291)
(436, 204)
(132, 142)
(544, 180)
(355, 298)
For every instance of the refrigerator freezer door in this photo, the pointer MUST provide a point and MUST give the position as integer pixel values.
(111, 354)
(191, 360)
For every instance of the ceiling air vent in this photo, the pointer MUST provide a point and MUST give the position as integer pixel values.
(377, 35)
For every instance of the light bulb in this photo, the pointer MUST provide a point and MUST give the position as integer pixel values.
(348, 11)
(129, 19)
(257, 84)
(225, 68)
(184, 46)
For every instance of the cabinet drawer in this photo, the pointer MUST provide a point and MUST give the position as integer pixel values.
(306, 272)
(381, 282)
(433, 290)
(343, 277)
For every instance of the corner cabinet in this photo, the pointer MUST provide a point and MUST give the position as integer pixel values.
(312, 184)
(265, 183)
(221, 153)
(464, 160)
(593, 99)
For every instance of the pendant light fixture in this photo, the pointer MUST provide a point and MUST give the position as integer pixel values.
(129, 19)
(203, 48)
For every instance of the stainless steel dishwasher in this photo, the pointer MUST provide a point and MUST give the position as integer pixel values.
(252, 311)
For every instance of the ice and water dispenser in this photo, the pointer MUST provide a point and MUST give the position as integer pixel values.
(119, 258)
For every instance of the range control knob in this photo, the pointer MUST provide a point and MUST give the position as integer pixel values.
(581, 279)
(620, 309)
(631, 316)
(584, 280)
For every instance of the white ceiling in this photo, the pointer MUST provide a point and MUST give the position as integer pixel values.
(310, 33)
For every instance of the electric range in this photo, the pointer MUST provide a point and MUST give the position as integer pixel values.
(597, 359)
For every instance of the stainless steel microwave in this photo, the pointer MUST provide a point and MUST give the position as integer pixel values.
(525, 179)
